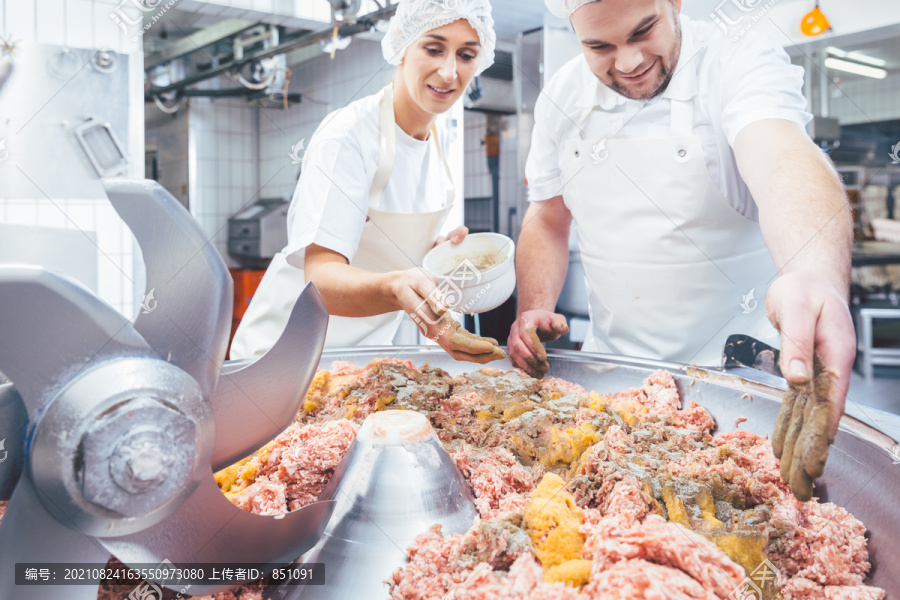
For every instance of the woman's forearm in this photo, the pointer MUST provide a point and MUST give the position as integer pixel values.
(346, 290)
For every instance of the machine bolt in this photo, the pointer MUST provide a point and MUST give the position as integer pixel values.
(140, 460)
(137, 456)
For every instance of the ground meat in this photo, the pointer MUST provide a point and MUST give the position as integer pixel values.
(499, 482)
(638, 579)
(434, 568)
(667, 544)
(656, 504)
(3, 509)
(296, 468)
(497, 543)
(799, 588)
(821, 543)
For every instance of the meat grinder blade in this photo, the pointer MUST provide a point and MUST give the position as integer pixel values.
(258, 401)
(186, 313)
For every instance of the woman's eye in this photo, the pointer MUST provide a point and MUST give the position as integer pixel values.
(433, 51)
(466, 56)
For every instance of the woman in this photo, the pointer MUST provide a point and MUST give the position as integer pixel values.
(374, 192)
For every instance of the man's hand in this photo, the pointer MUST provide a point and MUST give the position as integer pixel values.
(524, 345)
(803, 431)
(815, 324)
(414, 292)
(813, 318)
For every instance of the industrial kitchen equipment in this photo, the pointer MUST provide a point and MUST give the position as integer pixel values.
(258, 232)
(114, 428)
(861, 474)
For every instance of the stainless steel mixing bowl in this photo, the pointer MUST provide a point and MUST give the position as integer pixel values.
(860, 475)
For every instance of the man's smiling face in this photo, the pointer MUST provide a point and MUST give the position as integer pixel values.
(632, 46)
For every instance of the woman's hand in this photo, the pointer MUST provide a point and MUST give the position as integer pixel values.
(416, 293)
(456, 236)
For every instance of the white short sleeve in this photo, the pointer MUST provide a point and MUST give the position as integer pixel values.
(331, 199)
(758, 82)
(542, 165)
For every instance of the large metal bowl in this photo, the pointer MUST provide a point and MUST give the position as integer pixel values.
(860, 475)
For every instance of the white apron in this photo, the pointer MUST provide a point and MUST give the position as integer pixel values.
(668, 262)
(390, 242)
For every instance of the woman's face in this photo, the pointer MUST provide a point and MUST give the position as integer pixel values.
(439, 66)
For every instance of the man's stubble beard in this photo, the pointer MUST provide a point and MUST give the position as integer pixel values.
(665, 74)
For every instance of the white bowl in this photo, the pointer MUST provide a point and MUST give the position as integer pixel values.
(476, 275)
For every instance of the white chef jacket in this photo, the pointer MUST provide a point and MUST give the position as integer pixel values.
(734, 83)
(331, 199)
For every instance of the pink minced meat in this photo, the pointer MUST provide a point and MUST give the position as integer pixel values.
(435, 570)
(611, 540)
(562, 387)
(821, 543)
(499, 482)
(297, 467)
(638, 578)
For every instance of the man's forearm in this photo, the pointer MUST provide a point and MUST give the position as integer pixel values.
(811, 228)
(542, 259)
(803, 208)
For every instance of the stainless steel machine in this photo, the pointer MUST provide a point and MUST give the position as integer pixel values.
(113, 428)
(861, 474)
(257, 233)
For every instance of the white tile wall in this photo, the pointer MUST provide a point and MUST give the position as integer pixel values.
(326, 85)
(477, 178)
(83, 24)
(477, 175)
(74, 23)
(862, 99)
(224, 164)
(509, 172)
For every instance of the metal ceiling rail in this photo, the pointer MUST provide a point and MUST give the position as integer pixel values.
(363, 23)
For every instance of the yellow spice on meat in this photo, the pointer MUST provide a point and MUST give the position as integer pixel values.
(570, 444)
(705, 521)
(324, 384)
(631, 412)
(236, 477)
(574, 573)
(552, 519)
(745, 547)
(597, 402)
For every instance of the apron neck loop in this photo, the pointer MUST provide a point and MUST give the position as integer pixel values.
(681, 118)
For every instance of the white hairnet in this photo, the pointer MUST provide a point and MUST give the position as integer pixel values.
(415, 18)
(565, 8)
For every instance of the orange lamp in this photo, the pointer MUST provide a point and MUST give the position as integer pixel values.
(815, 22)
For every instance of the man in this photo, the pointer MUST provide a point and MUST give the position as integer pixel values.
(681, 158)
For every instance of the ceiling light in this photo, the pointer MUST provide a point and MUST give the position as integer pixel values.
(869, 60)
(855, 68)
(857, 56)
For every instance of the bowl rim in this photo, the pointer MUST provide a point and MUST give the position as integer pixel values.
(493, 271)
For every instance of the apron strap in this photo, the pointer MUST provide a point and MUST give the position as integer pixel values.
(450, 189)
(388, 145)
(388, 149)
(682, 117)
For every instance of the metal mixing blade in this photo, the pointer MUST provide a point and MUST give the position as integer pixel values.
(123, 422)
